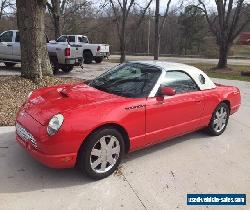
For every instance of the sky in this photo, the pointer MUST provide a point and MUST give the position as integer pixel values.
(163, 3)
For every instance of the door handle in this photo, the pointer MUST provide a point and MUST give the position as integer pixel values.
(9, 45)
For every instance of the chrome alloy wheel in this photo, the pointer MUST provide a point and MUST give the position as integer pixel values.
(104, 154)
(220, 119)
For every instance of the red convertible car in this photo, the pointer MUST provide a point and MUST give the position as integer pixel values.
(133, 105)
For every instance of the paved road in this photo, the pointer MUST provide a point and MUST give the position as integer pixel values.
(155, 178)
(94, 69)
(186, 60)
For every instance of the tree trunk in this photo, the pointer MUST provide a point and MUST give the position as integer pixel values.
(57, 26)
(123, 45)
(157, 33)
(123, 54)
(30, 19)
(223, 53)
(122, 35)
(56, 18)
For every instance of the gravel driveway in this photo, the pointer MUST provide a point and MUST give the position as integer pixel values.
(87, 72)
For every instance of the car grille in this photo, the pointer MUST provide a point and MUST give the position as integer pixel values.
(24, 134)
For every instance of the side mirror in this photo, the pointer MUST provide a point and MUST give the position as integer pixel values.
(167, 91)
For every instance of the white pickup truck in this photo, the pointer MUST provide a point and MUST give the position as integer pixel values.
(90, 51)
(62, 55)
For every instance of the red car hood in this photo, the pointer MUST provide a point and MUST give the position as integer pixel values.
(44, 104)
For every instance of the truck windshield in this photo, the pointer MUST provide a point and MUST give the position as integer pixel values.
(133, 80)
(6, 36)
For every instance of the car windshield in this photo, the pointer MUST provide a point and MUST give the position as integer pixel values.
(131, 80)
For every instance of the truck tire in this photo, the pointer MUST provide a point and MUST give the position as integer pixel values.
(54, 64)
(55, 70)
(98, 59)
(88, 57)
(67, 68)
(9, 64)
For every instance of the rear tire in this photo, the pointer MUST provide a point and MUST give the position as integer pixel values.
(67, 68)
(219, 120)
(98, 59)
(88, 57)
(101, 154)
(54, 64)
(9, 64)
(55, 70)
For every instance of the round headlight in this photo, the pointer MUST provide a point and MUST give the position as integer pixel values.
(54, 124)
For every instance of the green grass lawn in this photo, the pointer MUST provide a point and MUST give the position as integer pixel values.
(241, 50)
(232, 73)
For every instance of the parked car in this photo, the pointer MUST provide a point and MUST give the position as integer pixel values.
(132, 106)
(90, 52)
(62, 55)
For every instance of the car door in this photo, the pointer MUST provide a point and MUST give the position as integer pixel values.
(6, 45)
(16, 48)
(170, 116)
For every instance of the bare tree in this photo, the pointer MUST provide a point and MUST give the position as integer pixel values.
(60, 8)
(121, 12)
(159, 26)
(193, 28)
(4, 4)
(226, 24)
(55, 9)
(157, 31)
(34, 55)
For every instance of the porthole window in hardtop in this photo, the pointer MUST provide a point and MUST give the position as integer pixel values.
(202, 79)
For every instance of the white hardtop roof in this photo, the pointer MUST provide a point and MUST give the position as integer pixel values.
(192, 71)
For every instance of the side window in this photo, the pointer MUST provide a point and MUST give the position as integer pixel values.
(71, 38)
(83, 39)
(180, 81)
(7, 36)
(17, 37)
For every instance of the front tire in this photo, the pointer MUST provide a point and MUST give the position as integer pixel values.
(100, 156)
(67, 68)
(219, 120)
(9, 64)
